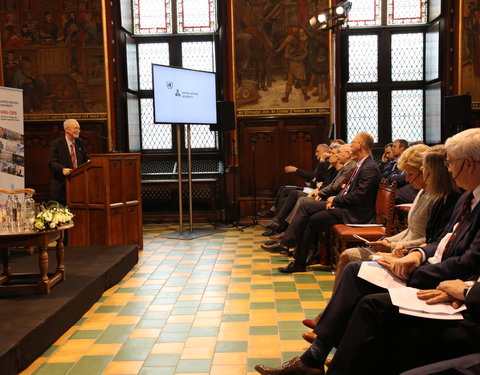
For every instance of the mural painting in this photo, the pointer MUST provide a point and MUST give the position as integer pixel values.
(53, 51)
(282, 65)
(470, 60)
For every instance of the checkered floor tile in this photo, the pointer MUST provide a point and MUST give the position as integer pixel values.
(213, 305)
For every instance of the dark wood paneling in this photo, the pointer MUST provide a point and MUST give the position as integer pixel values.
(269, 145)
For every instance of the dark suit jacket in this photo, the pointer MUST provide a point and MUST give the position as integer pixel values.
(320, 172)
(358, 205)
(462, 261)
(59, 158)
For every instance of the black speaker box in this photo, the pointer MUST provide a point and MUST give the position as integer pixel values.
(225, 116)
(457, 110)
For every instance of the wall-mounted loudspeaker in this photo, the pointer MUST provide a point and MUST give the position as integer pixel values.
(225, 116)
(456, 114)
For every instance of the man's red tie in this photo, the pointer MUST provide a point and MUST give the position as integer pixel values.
(466, 209)
(73, 156)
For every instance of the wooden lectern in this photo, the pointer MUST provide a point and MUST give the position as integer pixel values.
(104, 194)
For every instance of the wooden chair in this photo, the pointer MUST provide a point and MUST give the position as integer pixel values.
(400, 216)
(341, 235)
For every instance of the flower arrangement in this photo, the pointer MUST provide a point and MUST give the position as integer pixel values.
(51, 216)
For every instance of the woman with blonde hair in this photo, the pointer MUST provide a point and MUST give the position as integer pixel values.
(429, 214)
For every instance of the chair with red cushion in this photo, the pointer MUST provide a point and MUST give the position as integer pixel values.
(341, 235)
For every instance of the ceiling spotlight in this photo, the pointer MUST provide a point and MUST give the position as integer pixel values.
(342, 9)
(331, 18)
(322, 18)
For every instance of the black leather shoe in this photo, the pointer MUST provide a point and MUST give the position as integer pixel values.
(270, 242)
(292, 267)
(269, 232)
(292, 367)
(266, 213)
(274, 224)
(275, 246)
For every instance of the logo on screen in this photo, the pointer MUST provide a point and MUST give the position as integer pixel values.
(178, 93)
(169, 85)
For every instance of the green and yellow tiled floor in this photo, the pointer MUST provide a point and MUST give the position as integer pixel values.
(214, 305)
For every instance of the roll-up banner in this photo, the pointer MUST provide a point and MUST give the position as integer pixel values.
(12, 143)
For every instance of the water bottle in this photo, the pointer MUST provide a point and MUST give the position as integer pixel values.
(18, 214)
(28, 211)
(11, 213)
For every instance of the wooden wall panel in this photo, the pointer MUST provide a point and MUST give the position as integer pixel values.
(277, 142)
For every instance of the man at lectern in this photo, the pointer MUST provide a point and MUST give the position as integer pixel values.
(66, 153)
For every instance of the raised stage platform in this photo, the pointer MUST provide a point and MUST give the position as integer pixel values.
(30, 323)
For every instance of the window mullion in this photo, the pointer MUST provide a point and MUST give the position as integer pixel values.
(385, 87)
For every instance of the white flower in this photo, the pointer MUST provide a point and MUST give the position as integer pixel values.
(39, 225)
(51, 216)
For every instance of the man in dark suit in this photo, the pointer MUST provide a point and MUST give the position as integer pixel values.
(317, 175)
(353, 205)
(66, 153)
(456, 255)
(400, 342)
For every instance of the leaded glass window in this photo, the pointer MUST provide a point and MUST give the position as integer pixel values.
(407, 115)
(183, 44)
(154, 136)
(362, 113)
(407, 12)
(398, 12)
(407, 57)
(365, 13)
(201, 137)
(196, 16)
(363, 58)
(198, 56)
(386, 69)
(152, 16)
(148, 54)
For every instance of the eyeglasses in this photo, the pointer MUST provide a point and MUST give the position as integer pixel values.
(448, 163)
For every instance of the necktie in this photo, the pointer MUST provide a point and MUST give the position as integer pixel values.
(73, 156)
(347, 186)
(466, 209)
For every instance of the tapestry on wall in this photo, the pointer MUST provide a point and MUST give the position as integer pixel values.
(53, 51)
(282, 67)
(470, 52)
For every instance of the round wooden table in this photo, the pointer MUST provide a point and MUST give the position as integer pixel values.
(11, 282)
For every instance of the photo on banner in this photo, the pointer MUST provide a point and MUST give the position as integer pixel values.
(12, 144)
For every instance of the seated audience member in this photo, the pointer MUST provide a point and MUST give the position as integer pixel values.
(405, 193)
(425, 224)
(354, 204)
(345, 158)
(387, 163)
(430, 213)
(319, 174)
(278, 223)
(456, 255)
(401, 342)
(319, 252)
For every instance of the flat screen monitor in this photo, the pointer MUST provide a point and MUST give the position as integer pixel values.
(183, 96)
